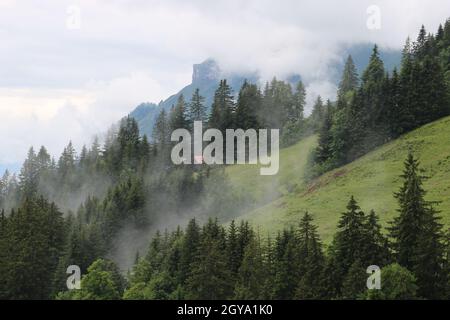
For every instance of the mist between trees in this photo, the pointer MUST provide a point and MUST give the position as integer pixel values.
(109, 200)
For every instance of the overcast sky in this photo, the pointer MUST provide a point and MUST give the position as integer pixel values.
(69, 69)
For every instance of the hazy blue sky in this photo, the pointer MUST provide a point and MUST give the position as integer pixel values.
(68, 69)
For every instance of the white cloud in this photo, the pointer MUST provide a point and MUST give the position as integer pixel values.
(59, 83)
(52, 117)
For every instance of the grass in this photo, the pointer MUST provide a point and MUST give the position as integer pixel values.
(280, 200)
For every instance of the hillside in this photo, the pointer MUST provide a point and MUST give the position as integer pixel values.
(372, 179)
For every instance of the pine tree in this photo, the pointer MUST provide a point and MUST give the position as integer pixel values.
(4, 238)
(311, 261)
(210, 278)
(29, 176)
(233, 249)
(373, 80)
(419, 48)
(349, 243)
(354, 283)
(318, 114)
(417, 233)
(252, 272)
(197, 109)
(34, 245)
(244, 237)
(129, 143)
(161, 137)
(248, 103)
(399, 114)
(377, 246)
(286, 275)
(178, 115)
(222, 109)
(296, 112)
(278, 102)
(349, 81)
(354, 122)
(191, 243)
(324, 150)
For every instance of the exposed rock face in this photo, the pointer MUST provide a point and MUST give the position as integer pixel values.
(206, 71)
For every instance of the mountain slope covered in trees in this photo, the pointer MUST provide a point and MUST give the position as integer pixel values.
(372, 179)
(111, 198)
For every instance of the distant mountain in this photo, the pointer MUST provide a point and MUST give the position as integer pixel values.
(206, 77)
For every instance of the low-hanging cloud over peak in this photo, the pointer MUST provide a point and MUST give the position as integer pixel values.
(71, 68)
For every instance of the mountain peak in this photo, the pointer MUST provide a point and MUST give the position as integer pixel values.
(206, 71)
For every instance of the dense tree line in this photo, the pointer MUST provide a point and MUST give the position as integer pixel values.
(235, 262)
(126, 182)
(56, 213)
(379, 106)
(277, 106)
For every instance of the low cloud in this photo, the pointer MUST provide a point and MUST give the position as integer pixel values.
(59, 83)
(52, 117)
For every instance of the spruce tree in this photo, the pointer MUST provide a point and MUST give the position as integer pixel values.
(210, 278)
(222, 109)
(28, 177)
(349, 242)
(233, 250)
(252, 273)
(178, 115)
(354, 283)
(161, 137)
(190, 245)
(248, 104)
(197, 108)
(377, 246)
(35, 243)
(318, 115)
(296, 112)
(311, 261)
(417, 233)
(324, 150)
(373, 79)
(287, 271)
(349, 80)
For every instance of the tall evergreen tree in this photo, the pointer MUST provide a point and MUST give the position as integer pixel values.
(252, 272)
(190, 245)
(318, 114)
(197, 108)
(325, 148)
(178, 115)
(350, 80)
(248, 103)
(349, 242)
(417, 233)
(210, 278)
(311, 261)
(161, 136)
(222, 109)
(373, 79)
(29, 175)
(287, 271)
(298, 107)
(35, 237)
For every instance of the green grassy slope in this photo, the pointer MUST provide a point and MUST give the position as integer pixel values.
(372, 179)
